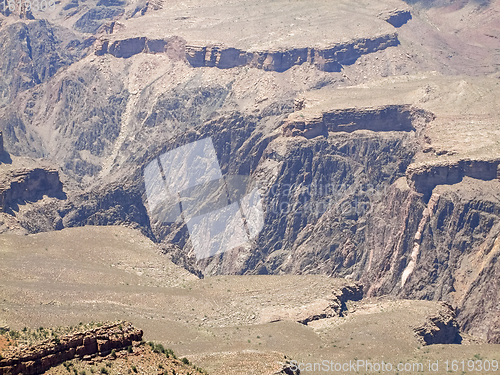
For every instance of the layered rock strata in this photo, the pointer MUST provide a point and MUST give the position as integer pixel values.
(423, 178)
(384, 118)
(99, 341)
(327, 59)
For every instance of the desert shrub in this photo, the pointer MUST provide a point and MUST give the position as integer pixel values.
(158, 348)
(129, 349)
(185, 361)
(170, 353)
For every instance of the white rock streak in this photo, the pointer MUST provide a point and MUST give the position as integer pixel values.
(428, 211)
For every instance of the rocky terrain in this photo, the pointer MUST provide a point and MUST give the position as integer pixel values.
(222, 324)
(40, 358)
(371, 129)
(114, 347)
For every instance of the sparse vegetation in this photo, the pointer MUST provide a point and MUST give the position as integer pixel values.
(29, 337)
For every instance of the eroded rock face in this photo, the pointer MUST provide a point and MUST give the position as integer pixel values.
(386, 118)
(412, 237)
(33, 52)
(39, 358)
(441, 328)
(21, 185)
(494, 332)
(341, 197)
(328, 60)
(396, 17)
(424, 178)
(336, 307)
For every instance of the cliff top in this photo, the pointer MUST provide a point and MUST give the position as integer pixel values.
(262, 25)
(466, 109)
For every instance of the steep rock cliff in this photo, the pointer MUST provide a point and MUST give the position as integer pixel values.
(327, 59)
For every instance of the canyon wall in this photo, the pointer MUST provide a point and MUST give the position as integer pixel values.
(384, 118)
(325, 59)
(423, 178)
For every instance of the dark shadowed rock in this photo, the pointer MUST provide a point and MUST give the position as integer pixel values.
(440, 329)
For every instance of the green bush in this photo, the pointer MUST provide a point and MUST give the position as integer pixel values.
(134, 369)
(185, 361)
(159, 348)
(104, 371)
(170, 353)
(129, 349)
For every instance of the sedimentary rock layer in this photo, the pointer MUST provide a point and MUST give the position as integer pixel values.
(385, 118)
(424, 178)
(39, 358)
(326, 59)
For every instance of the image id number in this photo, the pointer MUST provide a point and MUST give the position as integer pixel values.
(33, 5)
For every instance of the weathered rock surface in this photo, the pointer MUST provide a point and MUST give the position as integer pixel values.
(441, 328)
(387, 118)
(330, 59)
(391, 181)
(423, 178)
(337, 306)
(39, 358)
(396, 17)
(20, 185)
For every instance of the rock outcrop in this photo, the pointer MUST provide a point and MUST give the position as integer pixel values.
(100, 341)
(28, 184)
(441, 328)
(337, 305)
(222, 57)
(423, 178)
(396, 17)
(385, 118)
